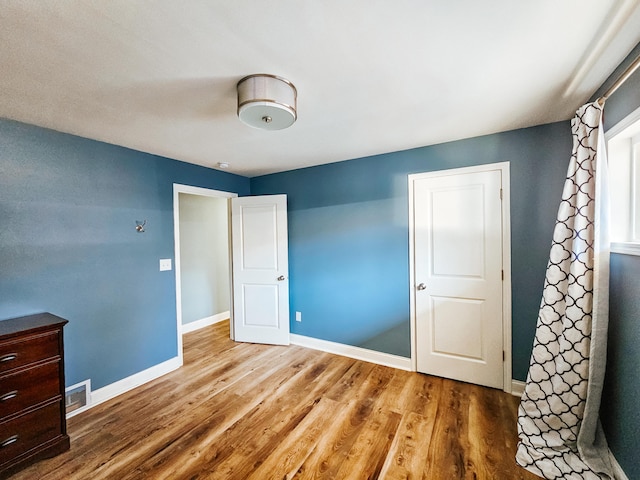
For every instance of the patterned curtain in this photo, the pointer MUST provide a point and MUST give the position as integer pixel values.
(558, 426)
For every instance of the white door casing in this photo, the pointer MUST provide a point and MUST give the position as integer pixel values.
(459, 328)
(188, 189)
(260, 269)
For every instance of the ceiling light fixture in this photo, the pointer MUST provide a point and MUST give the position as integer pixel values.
(267, 101)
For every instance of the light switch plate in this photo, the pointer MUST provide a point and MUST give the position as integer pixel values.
(165, 264)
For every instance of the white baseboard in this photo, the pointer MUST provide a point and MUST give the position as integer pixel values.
(205, 322)
(517, 388)
(618, 473)
(358, 353)
(372, 356)
(121, 386)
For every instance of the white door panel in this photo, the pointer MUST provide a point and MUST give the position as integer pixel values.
(260, 305)
(458, 315)
(260, 269)
(457, 242)
(259, 240)
(459, 251)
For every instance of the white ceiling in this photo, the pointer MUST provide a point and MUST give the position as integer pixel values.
(373, 76)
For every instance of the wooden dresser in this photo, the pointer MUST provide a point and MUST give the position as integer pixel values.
(32, 414)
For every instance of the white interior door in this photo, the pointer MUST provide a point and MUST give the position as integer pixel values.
(260, 269)
(458, 276)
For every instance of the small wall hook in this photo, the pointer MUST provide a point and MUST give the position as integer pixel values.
(140, 226)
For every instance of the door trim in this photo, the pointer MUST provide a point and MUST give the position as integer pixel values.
(506, 260)
(205, 192)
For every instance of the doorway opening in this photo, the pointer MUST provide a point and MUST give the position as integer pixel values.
(202, 228)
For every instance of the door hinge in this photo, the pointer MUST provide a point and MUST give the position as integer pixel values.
(502, 274)
(503, 355)
(500, 194)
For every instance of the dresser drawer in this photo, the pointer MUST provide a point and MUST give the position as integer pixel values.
(21, 434)
(26, 350)
(29, 387)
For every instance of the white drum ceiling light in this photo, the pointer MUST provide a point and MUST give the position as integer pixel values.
(267, 101)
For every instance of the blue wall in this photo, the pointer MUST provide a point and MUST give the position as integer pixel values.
(68, 245)
(621, 396)
(348, 235)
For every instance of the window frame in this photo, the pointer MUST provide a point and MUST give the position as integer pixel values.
(624, 139)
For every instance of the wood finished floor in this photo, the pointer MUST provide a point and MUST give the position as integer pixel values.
(244, 411)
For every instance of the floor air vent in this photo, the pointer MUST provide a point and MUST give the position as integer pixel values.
(77, 398)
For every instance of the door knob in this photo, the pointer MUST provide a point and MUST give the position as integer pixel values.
(422, 286)
(281, 278)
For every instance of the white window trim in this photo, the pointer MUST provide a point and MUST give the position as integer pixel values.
(635, 161)
(626, 248)
(622, 124)
(629, 247)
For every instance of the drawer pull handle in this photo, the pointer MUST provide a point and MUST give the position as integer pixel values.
(9, 441)
(8, 358)
(9, 396)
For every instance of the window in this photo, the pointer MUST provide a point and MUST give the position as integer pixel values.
(623, 151)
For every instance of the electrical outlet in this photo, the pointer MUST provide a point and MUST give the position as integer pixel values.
(298, 316)
(165, 264)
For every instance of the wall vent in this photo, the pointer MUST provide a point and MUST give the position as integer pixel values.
(77, 398)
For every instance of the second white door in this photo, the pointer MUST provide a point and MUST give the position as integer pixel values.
(260, 269)
(457, 253)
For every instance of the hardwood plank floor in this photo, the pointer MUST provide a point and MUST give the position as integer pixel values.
(258, 412)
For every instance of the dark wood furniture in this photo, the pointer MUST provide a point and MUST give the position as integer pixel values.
(32, 414)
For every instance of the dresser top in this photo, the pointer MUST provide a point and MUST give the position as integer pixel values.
(39, 321)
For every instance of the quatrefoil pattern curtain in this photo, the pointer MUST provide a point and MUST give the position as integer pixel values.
(558, 426)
